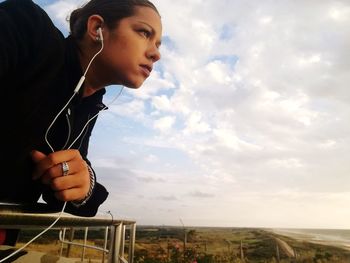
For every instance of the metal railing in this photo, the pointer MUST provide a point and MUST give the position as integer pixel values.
(22, 217)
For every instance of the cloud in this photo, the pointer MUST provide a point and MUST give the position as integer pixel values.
(165, 123)
(200, 194)
(194, 124)
(152, 158)
(150, 179)
(167, 198)
(250, 101)
(162, 103)
(155, 83)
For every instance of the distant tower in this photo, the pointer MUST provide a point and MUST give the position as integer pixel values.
(185, 235)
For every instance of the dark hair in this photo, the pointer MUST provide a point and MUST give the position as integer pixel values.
(112, 11)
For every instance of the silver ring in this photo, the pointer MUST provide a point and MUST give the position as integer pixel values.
(65, 168)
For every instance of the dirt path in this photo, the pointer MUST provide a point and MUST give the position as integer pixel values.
(287, 249)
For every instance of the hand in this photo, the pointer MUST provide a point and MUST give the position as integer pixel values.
(72, 187)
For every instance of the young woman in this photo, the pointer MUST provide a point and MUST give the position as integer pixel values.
(47, 118)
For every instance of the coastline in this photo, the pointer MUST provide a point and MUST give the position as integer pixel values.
(312, 236)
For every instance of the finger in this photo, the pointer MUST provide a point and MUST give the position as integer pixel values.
(45, 165)
(56, 172)
(37, 156)
(74, 167)
(50, 161)
(71, 194)
(64, 191)
(71, 181)
(76, 180)
(51, 173)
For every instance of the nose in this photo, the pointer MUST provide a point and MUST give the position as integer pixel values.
(154, 54)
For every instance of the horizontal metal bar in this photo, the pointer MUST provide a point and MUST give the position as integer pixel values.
(61, 239)
(20, 216)
(86, 246)
(39, 216)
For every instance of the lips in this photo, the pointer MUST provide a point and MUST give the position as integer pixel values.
(146, 69)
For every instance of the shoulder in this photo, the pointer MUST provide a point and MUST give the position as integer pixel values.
(19, 5)
(21, 9)
(28, 28)
(25, 15)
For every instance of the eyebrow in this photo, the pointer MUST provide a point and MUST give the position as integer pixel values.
(153, 31)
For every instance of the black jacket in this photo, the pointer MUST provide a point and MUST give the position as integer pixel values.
(39, 69)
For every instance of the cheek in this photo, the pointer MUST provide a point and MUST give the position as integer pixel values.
(114, 57)
(120, 54)
(121, 43)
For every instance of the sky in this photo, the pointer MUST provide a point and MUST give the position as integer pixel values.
(243, 123)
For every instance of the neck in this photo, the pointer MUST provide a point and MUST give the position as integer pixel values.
(88, 91)
(92, 84)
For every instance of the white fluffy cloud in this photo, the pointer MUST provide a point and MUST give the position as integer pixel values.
(250, 104)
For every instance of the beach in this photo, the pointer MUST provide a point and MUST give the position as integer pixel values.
(330, 237)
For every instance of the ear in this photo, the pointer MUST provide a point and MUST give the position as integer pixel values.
(94, 22)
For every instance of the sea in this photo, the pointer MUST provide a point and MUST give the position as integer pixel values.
(334, 237)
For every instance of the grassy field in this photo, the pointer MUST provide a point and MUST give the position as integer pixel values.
(205, 245)
(229, 245)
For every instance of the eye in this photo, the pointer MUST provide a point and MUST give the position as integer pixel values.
(146, 33)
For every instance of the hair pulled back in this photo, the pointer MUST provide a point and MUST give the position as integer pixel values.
(112, 11)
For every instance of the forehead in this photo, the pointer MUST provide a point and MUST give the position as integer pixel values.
(149, 16)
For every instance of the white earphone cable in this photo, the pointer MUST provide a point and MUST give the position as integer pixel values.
(77, 88)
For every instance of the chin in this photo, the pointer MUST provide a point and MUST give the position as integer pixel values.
(134, 85)
(130, 86)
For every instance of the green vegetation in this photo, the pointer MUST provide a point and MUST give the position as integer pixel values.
(204, 245)
(221, 245)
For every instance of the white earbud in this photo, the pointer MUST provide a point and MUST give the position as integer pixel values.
(100, 35)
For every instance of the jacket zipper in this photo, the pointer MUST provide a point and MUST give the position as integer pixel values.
(85, 132)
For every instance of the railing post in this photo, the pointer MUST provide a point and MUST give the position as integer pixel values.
(122, 242)
(63, 237)
(132, 243)
(71, 237)
(114, 247)
(84, 247)
(105, 244)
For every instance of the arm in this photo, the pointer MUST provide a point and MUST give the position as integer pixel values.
(89, 206)
(99, 193)
(86, 205)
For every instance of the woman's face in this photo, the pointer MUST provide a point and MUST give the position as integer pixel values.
(131, 49)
